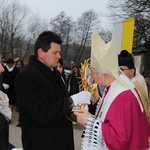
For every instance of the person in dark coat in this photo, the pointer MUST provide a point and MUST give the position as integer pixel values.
(20, 65)
(61, 70)
(74, 80)
(8, 79)
(43, 99)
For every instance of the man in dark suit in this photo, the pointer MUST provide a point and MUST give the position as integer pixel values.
(43, 99)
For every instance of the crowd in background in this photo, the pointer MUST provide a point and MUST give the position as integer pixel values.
(70, 74)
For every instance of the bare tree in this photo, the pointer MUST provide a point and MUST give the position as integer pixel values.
(106, 35)
(75, 35)
(63, 26)
(85, 25)
(4, 34)
(13, 18)
(140, 10)
(34, 28)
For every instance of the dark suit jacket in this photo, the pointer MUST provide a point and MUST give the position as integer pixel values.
(43, 105)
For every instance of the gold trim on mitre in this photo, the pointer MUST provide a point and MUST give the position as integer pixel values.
(105, 57)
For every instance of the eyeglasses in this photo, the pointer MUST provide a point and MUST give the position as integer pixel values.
(122, 69)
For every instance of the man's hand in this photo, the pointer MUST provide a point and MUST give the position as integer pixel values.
(82, 116)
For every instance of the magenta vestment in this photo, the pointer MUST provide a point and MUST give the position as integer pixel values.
(125, 127)
(119, 123)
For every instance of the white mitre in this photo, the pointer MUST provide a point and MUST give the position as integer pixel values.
(105, 57)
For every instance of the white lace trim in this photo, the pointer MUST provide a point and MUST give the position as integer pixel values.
(92, 136)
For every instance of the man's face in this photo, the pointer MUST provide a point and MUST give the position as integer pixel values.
(128, 72)
(51, 57)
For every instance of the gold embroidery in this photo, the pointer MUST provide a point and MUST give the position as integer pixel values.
(100, 114)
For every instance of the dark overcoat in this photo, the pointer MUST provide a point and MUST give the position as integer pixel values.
(43, 106)
(9, 78)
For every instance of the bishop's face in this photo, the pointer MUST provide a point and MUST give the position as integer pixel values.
(98, 76)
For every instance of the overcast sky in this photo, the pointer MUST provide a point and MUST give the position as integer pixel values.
(48, 9)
